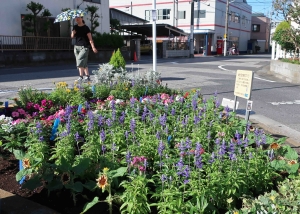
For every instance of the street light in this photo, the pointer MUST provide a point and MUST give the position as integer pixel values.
(226, 27)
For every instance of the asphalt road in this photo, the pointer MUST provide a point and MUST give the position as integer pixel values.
(273, 98)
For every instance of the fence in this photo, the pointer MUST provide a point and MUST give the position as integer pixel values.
(177, 46)
(29, 43)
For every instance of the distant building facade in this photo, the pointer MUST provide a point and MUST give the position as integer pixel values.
(209, 19)
(261, 30)
(13, 12)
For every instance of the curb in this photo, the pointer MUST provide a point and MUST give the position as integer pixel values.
(13, 204)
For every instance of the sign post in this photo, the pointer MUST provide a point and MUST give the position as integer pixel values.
(243, 88)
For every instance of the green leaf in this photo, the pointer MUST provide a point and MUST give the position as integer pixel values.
(19, 154)
(65, 165)
(81, 167)
(120, 172)
(54, 185)
(90, 185)
(32, 184)
(90, 204)
(278, 164)
(77, 186)
(291, 154)
(21, 174)
(291, 169)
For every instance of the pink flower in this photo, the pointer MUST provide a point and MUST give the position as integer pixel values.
(51, 117)
(110, 98)
(60, 113)
(50, 103)
(36, 106)
(21, 111)
(142, 168)
(29, 105)
(19, 121)
(164, 96)
(15, 114)
(41, 109)
(44, 102)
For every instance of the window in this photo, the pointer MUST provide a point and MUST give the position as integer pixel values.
(148, 14)
(181, 14)
(237, 18)
(199, 14)
(163, 14)
(94, 1)
(255, 28)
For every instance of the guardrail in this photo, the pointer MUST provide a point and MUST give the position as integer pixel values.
(29, 43)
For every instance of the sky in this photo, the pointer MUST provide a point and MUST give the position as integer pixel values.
(261, 6)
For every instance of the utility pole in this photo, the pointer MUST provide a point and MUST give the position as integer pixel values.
(192, 31)
(226, 28)
(154, 51)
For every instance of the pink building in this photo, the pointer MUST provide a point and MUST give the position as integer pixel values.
(260, 31)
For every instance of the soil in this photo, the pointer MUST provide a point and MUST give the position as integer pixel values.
(58, 201)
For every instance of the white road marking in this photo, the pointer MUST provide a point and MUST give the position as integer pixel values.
(221, 67)
(285, 103)
(14, 91)
(174, 62)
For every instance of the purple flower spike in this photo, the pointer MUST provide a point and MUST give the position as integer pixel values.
(102, 135)
(161, 148)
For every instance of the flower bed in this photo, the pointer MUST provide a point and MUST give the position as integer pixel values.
(129, 141)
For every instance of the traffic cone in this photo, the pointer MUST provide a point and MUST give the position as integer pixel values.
(135, 57)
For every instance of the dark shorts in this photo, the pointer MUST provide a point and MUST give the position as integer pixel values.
(81, 54)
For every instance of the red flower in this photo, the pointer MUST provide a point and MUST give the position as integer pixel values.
(186, 95)
(83, 111)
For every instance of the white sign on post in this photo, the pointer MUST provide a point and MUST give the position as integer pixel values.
(230, 103)
(249, 105)
(243, 84)
(153, 15)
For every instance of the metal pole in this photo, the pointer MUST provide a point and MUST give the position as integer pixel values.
(154, 53)
(206, 43)
(131, 8)
(226, 28)
(174, 15)
(192, 31)
(235, 100)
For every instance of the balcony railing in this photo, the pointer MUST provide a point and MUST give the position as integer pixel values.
(177, 46)
(32, 43)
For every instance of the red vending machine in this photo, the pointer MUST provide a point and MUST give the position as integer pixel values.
(219, 46)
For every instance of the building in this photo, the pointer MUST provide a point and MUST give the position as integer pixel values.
(13, 12)
(260, 31)
(209, 19)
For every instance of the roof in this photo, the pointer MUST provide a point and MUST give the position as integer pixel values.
(162, 30)
(125, 18)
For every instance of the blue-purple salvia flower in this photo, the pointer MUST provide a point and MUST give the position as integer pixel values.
(173, 111)
(91, 121)
(39, 128)
(164, 178)
(102, 135)
(77, 136)
(101, 120)
(128, 157)
(212, 158)
(222, 149)
(185, 120)
(161, 148)
(132, 125)
(157, 135)
(122, 118)
(163, 120)
(126, 135)
(113, 147)
(194, 104)
(145, 112)
(132, 102)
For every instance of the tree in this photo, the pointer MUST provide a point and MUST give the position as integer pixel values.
(117, 60)
(93, 18)
(115, 26)
(280, 36)
(290, 10)
(35, 9)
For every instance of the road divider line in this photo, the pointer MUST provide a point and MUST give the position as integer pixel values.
(221, 67)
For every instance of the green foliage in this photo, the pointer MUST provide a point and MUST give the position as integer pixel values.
(286, 200)
(36, 9)
(28, 94)
(291, 61)
(93, 17)
(135, 195)
(106, 40)
(102, 91)
(117, 60)
(115, 26)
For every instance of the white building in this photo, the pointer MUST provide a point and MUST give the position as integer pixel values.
(209, 19)
(12, 12)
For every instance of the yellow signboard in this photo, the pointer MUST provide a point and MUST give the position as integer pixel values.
(225, 36)
(243, 84)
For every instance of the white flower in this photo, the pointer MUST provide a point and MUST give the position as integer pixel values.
(7, 127)
(118, 101)
(177, 98)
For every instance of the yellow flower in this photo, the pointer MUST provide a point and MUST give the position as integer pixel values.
(235, 212)
(105, 169)
(126, 89)
(272, 198)
(26, 163)
(102, 181)
(76, 89)
(292, 162)
(68, 90)
(275, 146)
